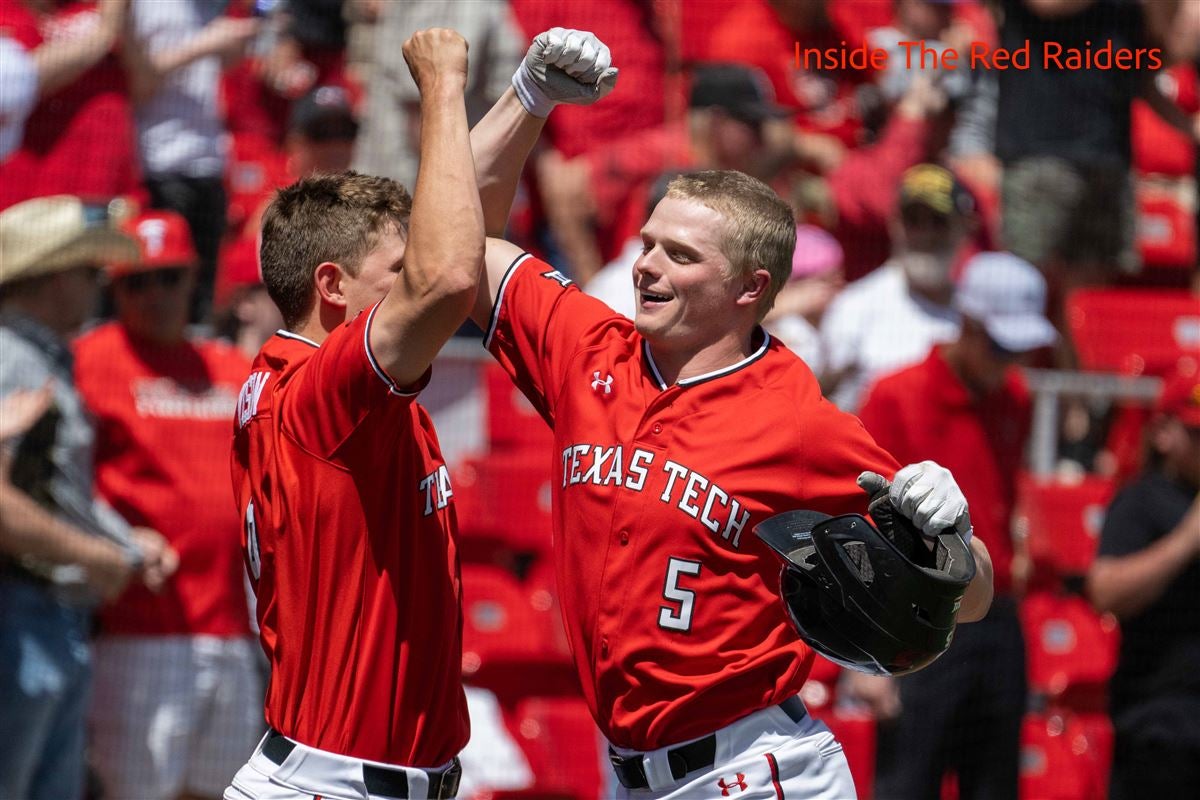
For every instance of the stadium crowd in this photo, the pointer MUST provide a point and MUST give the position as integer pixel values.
(141, 141)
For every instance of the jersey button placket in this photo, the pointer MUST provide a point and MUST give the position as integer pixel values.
(657, 428)
(624, 538)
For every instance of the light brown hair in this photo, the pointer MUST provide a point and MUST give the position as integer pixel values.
(337, 218)
(760, 231)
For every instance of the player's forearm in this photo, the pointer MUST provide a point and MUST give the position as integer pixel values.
(978, 598)
(1127, 585)
(501, 143)
(27, 529)
(445, 246)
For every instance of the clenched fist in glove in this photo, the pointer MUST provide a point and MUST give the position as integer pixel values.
(924, 495)
(564, 66)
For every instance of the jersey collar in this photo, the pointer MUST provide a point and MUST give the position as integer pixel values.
(296, 336)
(708, 376)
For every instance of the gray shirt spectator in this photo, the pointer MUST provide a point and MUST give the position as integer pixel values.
(387, 143)
(52, 462)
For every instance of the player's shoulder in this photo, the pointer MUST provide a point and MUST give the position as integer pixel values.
(788, 376)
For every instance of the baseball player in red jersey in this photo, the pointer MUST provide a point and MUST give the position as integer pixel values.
(675, 435)
(349, 524)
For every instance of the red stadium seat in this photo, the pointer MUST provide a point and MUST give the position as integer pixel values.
(1166, 230)
(512, 422)
(1071, 651)
(542, 590)
(504, 501)
(1061, 524)
(563, 746)
(508, 645)
(1133, 331)
(1065, 756)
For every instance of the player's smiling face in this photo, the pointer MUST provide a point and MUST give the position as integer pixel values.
(376, 273)
(684, 290)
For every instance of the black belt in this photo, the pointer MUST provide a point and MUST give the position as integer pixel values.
(378, 780)
(697, 755)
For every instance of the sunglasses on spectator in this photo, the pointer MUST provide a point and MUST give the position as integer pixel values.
(163, 278)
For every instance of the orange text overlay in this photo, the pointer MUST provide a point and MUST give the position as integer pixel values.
(979, 55)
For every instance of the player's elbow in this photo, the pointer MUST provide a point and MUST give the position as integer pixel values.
(448, 278)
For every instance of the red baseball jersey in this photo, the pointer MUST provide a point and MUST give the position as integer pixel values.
(350, 543)
(925, 412)
(162, 443)
(671, 604)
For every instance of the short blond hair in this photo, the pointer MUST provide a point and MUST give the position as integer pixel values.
(760, 228)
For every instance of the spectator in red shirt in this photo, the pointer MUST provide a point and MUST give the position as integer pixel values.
(765, 33)
(176, 699)
(595, 202)
(79, 138)
(966, 407)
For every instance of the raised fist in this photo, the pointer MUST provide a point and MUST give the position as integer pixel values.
(436, 53)
(564, 66)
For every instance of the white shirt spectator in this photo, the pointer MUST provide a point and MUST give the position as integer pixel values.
(180, 130)
(878, 325)
(18, 93)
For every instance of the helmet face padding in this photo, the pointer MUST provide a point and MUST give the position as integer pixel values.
(856, 599)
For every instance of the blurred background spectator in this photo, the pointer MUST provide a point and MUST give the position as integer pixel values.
(1063, 136)
(816, 279)
(247, 317)
(174, 57)
(61, 551)
(1147, 573)
(79, 138)
(965, 406)
(392, 122)
(176, 699)
(889, 319)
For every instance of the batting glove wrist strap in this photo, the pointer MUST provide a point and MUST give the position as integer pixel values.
(530, 94)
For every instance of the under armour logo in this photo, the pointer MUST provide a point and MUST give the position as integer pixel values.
(605, 382)
(740, 783)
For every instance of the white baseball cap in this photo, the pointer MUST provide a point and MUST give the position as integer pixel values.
(1007, 295)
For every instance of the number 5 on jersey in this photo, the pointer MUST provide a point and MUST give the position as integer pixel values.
(252, 555)
(667, 616)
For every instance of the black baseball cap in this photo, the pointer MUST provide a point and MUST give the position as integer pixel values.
(740, 91)
(324, 114)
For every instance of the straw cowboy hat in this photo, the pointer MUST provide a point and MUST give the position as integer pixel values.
(51, 234)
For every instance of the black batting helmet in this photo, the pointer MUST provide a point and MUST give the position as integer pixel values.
(856, 599)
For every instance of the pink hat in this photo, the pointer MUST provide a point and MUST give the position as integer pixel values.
(816, 253)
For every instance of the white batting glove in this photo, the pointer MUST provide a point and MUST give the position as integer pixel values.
(564, 66)
(927, 494)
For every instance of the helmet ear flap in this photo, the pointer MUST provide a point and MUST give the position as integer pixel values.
(856, 599)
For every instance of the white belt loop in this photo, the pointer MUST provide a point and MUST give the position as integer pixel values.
(658, 769)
